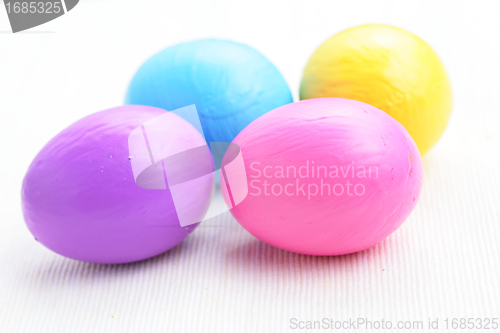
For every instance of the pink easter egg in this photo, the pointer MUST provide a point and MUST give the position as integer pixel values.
(327, 176)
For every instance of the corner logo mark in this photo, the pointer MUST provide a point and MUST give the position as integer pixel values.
(28, 14)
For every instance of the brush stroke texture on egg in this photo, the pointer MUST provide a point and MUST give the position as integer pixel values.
(80, 200)
(327, 132)
(388, 68)
(230, 84)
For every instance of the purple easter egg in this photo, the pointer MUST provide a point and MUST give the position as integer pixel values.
(80, 199)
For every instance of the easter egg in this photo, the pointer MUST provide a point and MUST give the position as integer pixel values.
(327, 176)
(80, 199)
(388, 68)
(231, 84)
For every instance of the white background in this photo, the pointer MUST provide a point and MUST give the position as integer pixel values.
(442, 263)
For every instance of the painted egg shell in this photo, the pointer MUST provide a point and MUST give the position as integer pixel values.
(388, 68)
(231, 84)
(80, 200)
(327, 176)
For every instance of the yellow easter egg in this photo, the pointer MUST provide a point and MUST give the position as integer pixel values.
(388, 68)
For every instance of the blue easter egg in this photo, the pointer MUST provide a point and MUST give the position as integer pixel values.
(231, 84)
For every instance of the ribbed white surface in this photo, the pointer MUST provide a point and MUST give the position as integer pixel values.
(442, 263)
